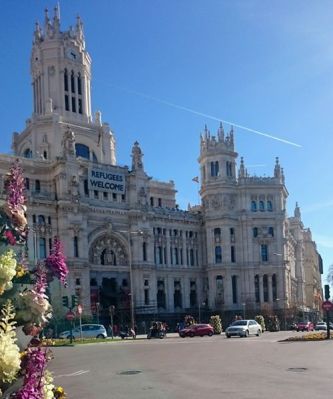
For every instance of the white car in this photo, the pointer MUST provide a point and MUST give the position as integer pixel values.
(88, 331)
(322, 326)
(243, 328)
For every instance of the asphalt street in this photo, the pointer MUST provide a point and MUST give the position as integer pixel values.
(208, 367)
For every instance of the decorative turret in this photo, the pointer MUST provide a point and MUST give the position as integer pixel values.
(217, 156)
(242, 171)
(297, 212)
(277, 168)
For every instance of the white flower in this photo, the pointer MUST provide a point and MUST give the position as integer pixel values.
(7, 270)
(48, 385)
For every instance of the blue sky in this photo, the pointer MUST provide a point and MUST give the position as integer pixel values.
(262, 64)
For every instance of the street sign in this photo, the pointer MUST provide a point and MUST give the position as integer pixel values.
(327, 305)
(79, 309)
(70, 316)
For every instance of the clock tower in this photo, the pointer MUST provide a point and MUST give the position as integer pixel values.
(61, 70)
(61, 80)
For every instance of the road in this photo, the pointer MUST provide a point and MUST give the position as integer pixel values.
(216, 367)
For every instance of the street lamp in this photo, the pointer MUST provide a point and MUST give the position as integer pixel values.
(203, 303)
(244, 304)
(129, 232)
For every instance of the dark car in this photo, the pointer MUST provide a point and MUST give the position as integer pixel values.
(196, 330)
(305, 326)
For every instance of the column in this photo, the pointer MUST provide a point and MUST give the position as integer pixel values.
(261, 289)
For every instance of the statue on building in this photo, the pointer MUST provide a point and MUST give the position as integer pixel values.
(137, 157)
(68, 144)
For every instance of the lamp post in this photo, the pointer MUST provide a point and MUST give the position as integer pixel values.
(244, 304)
(97, 311)
(199, 309)
(129, 232)
(131, 279)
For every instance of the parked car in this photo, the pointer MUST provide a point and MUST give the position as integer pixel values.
(322, 326)
(88, 331)
(243, 328)
(305, 326)
(196, 330)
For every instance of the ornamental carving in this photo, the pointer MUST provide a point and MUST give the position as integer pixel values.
(108, 250)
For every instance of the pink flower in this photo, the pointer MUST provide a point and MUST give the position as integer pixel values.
(56, 261)
(15, 187)
(10, 237)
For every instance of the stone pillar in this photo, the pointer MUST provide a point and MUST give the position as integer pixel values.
(261, 289)
(270, 291)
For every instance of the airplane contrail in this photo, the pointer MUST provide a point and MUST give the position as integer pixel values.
(193, 111)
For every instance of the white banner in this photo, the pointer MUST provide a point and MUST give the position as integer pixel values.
(106, 179)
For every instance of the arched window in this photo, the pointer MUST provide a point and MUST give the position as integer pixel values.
(151, 201)
(41, 219)
(76, 247)
(217, 233)
(214, 169)
(37, 186)
(144, 251)
(82, 151)
(219, 287)
(271, 231)
(79, 84)
(229, 168)
(274, 287)
(27, 183)
(66, 80)
(256, 288)
(255, 232)
(234, 289)
(264, 252)
(218, 254)
(27, 153)
(269, 206)
(72, 82)
(261, 206)
(192, 257)
(42, 248)
(253, 206)
(265, 287)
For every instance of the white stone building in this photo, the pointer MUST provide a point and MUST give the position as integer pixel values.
(237, 252)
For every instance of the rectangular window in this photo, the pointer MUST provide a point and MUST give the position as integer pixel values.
(171, 257)
(66, 102)
(76, 247)
(264, 252)
(144, 252)
(42, 248)
(80, 105)
(123, 197)
(73, 104)
(176, 256)
(234, 289)
(233, 254)
(85, 187)
(105, 195)
(146, 296)
(114, 196)
(96, 194)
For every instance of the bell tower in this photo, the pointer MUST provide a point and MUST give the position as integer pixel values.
(217, 163)
(60, 70)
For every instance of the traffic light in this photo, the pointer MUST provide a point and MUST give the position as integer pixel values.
(75, 301)
(65, 301)
(327, 292)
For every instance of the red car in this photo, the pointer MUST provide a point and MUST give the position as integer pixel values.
(197, 330)
(305, 326)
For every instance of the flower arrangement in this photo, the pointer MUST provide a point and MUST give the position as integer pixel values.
(24, 375)
(216, 323)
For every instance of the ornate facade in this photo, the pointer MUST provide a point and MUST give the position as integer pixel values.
(125, 238)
